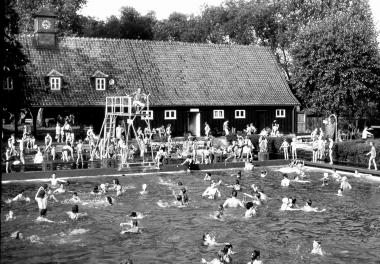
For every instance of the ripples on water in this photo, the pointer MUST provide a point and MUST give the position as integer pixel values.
(349, 229)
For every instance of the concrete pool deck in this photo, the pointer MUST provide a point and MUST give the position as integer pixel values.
(38, 175)
(32, 175)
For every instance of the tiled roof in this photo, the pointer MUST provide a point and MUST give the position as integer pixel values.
(173, 73)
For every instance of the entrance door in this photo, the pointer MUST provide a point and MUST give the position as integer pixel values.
(194, 123)
(261, 121)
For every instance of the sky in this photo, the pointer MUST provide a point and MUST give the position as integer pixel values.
(163, 8)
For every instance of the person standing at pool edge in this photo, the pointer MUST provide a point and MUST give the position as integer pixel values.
(372, 157)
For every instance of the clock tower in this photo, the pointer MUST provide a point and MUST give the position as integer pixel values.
(44, 28)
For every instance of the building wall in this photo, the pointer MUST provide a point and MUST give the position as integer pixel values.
(260, 117)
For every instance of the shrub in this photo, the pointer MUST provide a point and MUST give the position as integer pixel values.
(274, 143)
(355, 151)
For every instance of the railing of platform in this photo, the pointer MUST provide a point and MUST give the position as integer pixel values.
(119, 105)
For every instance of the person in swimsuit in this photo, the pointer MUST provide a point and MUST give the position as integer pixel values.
(134, 228)
(285, 146)
(65, 152)
(48, 141)
(372, 157)
(61, 189)
(255, 256)
(308, 208)
(137, 100)
(74, 214)
(294, 148)
(80, 152)
(20, 197)
(285, 181)
(263, 173)
(317, 249)
(207, 177)
(189, 162)
(233, 202)
(210, 241)
(211, 192)
(219, 214)
(315, 150)
(344, 185)
(251, 211)
(75, 198)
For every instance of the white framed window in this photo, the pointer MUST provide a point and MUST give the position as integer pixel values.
(55, 83)
(280, 112)
(100, 84)
(148, 113)
(239, 113)
(218, 114)
(170, 114)
(8, 84)
(301, 123)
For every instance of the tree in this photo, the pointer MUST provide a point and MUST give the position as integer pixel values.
(135, 26)
(336, 62)
(68, 19)
(14, 59)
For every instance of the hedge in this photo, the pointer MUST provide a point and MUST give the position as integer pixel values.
(355, 151)
(274, 143)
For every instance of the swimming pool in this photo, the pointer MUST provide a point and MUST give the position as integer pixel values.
(349, 230)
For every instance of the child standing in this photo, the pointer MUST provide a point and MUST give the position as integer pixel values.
(58, 132)
(372, 157)
(285, 146)
(80, 152)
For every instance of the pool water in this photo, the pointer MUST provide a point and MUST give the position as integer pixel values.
(349, 229)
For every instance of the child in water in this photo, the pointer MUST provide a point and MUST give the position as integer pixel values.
(219, 214)
(74, 214)
(255, 256)
(263, 174)
(134, 227)
(317, 249)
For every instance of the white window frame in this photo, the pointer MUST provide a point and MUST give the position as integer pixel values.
(55, 83)
(218, 114)
(240, 114)
(150, 115)
(8, 84)
(168, 114)
(100, 84)
(280, 113)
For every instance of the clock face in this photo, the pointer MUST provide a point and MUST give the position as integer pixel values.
(46, 24)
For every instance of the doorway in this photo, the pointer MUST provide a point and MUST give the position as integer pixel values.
(194, 123)
(261, 120)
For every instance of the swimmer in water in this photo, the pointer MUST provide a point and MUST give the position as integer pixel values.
(74, 214)
(317, 249)
(144, 191)
(210, 241)
(248, 166)
(251, 211)
(20, 197)
(207, 177)
(336, 175)
(255, 256)
(103, 188)
(293, 204)
(297, 179)
(263, 196)
(227, 253)
(55, 182)
(308, 208)
(41, 198)
(61, 189)
(357, 174)
(263, 173)
(17, 235)
(10, 216)
(211, 192)
(219, 214)
(218, 260)
(285, 204)
(75, 198)
(180, 200)
(109, 200)
(255, 198)
(134, 228)
(340, 192)
(96, 190)
(115, 183)
(285, 181)
(236, 186)
(233, 202)
(344, 185)
(302, 174)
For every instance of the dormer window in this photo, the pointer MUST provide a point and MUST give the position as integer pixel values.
(8, 84)
(100, 83)
(100, 80)
(55, 80)
(55, 83)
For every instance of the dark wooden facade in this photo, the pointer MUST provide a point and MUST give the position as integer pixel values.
(260, 116)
